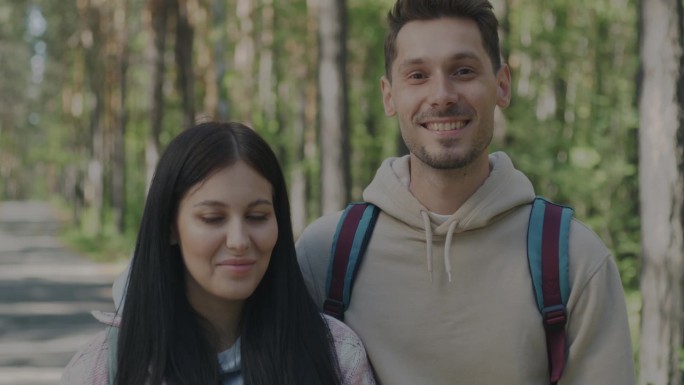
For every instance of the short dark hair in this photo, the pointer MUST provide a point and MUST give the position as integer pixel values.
(284, 339)
(480, 11)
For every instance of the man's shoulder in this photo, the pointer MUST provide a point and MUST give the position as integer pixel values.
(316, 239)
(583, 238)
(322, 228)
(588, 254)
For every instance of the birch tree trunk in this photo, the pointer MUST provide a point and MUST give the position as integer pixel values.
(95, 67)
(661, 180)
(244, 63)
(266, 78)
(334, 114)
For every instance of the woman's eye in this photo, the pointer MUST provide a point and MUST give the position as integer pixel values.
(212, 219)
(257, 217)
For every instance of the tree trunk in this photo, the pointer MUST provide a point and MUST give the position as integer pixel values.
(184, 71)
(95, 67)
(298, 186)
(661, 180)
(332, 86)
(211, 46)
(502, 14)
(296, 104)
(222, 109)
(266, 82)
(244, 59)
(119, 150)
(158, 15)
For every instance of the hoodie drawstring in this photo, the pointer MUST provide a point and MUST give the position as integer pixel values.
(428, 240)
(447, 244)
(447, 249)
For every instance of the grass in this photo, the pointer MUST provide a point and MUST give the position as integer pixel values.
(633, 299)
(101, 244)
(102, 247)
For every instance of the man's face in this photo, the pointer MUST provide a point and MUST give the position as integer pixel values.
(444, 91)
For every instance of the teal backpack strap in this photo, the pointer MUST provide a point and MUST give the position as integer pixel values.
(547, 253)
(112, 348)
(349, 244)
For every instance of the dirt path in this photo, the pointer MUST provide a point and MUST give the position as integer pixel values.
(46, 295)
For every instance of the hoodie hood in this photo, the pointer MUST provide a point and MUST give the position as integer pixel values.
(389, 191)
(504, 189)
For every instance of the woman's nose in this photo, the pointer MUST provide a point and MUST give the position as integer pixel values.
(237, 238)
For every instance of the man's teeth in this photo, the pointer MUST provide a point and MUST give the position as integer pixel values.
(445, 126)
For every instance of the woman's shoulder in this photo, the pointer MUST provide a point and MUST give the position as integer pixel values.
(351, 354)
(89, 364)
(341, 333)
(107, 318)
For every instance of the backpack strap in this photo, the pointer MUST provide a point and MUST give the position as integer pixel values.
(349, 243)
(112, 348)
(547, 253)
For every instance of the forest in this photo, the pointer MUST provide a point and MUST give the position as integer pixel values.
(92, 90)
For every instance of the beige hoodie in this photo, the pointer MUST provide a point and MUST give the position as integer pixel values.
(452, 302)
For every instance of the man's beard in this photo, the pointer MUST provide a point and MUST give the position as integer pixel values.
(446, 160)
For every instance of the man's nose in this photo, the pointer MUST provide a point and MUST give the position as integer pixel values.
(443, 92)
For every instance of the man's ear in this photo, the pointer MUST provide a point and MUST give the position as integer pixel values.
(503, 87)
(387, 101)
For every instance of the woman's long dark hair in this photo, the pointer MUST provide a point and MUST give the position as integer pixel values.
(284, 340)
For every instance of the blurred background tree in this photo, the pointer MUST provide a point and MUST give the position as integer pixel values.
(661, 165)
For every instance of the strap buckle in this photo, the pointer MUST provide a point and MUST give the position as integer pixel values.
(555, 315)
(334, 308)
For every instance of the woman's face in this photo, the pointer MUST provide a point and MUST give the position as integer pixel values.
(226, 228)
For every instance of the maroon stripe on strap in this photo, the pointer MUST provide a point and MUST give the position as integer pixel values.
(549, 262)
(555, 345)
(555, 332)
(341, 257)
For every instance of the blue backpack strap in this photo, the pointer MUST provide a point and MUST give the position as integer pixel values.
(547, 253)
(112, 347)
(349, 243)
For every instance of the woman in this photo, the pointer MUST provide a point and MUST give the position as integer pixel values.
(214, 272)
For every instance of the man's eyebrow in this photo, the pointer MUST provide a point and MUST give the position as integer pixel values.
(465, 55)
(410, 63)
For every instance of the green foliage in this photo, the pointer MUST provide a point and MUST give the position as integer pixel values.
(370, 130)
(572, 123)
(633, 301)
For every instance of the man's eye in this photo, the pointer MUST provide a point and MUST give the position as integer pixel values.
(416, 76)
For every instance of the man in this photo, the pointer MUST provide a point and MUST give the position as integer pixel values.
(444, 293)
